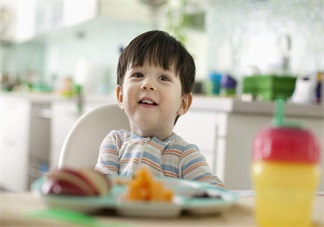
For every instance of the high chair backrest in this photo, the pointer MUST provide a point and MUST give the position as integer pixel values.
(81, 146)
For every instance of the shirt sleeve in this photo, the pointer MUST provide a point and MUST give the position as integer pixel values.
(109, 154)
(193, 166)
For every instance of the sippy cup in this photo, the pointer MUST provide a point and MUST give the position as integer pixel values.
(285, 172)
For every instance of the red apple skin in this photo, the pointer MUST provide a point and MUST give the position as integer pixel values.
(76, 174)
(76, 182)
(59, 187)
(73, 176)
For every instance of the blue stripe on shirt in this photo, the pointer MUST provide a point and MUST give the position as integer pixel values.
(131, 155)
(201, 176)
(110, 163)
(170, 168)
(194, 161)
(152, 157)
(108, 147)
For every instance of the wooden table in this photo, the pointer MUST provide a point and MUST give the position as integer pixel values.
(15, 207)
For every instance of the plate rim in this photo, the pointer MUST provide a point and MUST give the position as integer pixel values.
(184, 203)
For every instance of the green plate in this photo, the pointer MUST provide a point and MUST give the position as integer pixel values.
(186, 199)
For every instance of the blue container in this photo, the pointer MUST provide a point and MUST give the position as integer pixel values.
(214, 84)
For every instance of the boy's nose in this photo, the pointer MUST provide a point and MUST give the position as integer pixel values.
(148, 85)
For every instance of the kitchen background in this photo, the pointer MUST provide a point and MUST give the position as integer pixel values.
(55, 40)
(47, 47)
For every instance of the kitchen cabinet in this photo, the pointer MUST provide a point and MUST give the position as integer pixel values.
(18, 20)
(25, 20)
(15, 118)
(24, 142)
(52, 15)
(39, 20)
(224, 129)
(241, 130)
(132, 10)
(206, 130)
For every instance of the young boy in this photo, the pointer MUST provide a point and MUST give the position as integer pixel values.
(155, 78)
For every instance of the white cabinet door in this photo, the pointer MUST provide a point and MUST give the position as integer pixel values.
(76, 12)
(241, 132)
(52, 15)
(20, 21)
(206, 130)
(130, 10)
(39, 139)
(15, 119)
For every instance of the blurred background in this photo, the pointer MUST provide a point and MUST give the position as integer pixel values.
(59, 57)
(44, 42)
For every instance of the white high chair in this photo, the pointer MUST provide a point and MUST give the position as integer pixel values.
(81, 146)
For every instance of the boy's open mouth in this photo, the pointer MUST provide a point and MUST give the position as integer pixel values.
(147, 102)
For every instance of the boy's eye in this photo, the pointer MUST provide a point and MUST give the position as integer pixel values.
(138, 75)
(164, 78)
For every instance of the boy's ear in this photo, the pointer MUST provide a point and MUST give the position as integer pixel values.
(119, 94)
(185, 104)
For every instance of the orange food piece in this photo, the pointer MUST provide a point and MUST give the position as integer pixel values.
(144, 187)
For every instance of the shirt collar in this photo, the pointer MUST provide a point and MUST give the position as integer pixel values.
(162, 143)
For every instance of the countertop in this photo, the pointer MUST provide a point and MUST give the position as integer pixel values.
(200, 103)
(236, 105)
(51, 97)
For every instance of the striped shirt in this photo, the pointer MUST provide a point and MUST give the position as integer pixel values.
(122, 153)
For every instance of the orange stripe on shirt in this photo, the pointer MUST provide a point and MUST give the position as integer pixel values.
(126, 160)
(152, 164)
(188, 152)
(173, 152)
(112, 168)
(155, 145)
(170, 174)
(194, 167)
(109, 151)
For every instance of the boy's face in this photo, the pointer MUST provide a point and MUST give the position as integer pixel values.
(151, 98)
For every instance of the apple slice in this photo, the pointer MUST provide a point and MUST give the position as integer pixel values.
(73, 177)
(86, 182)
(59, 187)
(99, 180)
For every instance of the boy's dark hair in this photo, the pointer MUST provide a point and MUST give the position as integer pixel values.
(160, 49)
